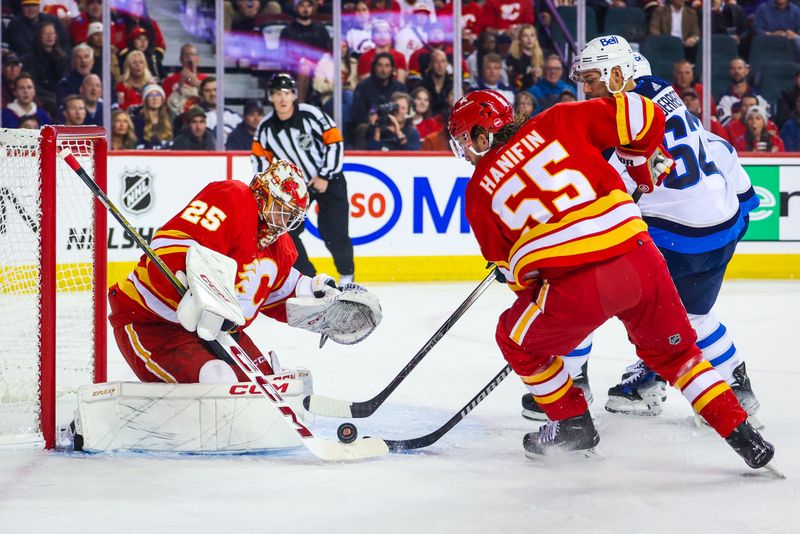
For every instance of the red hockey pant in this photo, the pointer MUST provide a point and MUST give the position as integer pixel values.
(549, 320)
(166, 352)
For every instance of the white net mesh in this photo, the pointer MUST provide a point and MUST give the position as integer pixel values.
(20, 314)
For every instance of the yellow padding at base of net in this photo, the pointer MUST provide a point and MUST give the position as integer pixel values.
(24, 279)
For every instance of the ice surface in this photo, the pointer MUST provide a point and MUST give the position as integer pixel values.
(659, 474)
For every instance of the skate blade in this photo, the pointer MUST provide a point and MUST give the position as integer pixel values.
(635, 413)
(589, 454)
(534, 416)
(772, 468)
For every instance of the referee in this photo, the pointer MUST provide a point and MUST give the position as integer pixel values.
(310, 139)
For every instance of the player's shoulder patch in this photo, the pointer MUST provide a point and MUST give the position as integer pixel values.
(650, 86)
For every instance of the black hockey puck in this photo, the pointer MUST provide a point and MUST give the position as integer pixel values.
(347, 433)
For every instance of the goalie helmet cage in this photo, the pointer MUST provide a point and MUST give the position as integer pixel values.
(52, 277)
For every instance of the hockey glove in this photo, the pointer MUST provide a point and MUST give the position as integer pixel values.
(647, 172)
(321, 286)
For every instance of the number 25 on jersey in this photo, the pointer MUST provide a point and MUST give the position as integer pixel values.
(209, 217)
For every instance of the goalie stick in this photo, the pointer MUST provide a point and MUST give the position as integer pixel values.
(225, 346)
(330, 407)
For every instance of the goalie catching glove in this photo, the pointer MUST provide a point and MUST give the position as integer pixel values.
(209, 305)
(647, 172)
(346, 316)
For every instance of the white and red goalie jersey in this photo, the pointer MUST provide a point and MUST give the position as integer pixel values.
(224, 218)
(554, 202)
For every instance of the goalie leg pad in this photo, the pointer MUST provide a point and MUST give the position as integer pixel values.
(197, 418)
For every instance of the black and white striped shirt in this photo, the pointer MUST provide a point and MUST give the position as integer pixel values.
(309, 139)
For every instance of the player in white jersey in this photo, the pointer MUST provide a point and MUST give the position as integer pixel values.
(695, 218)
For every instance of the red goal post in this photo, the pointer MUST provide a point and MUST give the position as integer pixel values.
(52, 278)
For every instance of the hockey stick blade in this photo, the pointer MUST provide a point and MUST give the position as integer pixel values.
(330, 407)
(225, 345)
(429, 439)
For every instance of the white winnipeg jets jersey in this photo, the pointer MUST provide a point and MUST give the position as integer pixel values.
(703, 204)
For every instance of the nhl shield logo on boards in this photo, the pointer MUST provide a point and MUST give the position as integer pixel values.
(137, 191)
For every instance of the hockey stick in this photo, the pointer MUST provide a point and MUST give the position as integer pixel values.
(226, 345)
(330, 407)
(433, 437)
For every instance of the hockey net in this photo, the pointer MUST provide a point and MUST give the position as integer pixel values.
(52, 278)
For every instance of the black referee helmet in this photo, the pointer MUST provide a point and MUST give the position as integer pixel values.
(282, 81)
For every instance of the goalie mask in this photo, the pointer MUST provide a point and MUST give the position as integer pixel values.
(602, 54)
(282, 198)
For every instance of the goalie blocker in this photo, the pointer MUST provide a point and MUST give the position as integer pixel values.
(230, 418)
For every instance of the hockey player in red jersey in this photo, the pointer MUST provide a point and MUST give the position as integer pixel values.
(550, 211)
(159, 333)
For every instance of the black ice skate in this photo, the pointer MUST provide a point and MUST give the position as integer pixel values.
(532, 411)
(576, 434)
(753, 448)
(640, 392)
(744, 392)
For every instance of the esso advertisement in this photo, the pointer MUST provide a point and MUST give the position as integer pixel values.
(402, 206)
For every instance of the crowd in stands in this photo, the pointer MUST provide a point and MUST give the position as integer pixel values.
(397, 69)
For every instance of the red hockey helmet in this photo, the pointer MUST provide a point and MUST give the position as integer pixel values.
(282, 199)
(487, 109)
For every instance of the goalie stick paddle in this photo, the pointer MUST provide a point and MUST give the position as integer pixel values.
(226, 348)
(330, 407)
(433, 437)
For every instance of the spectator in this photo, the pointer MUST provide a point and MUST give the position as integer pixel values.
(208, 101)
(547, 90)
(377, 89)
(728, 18)
(241, 138)
(74, 110)
(94, 40)
(123, 136)
(781, 18)
(392, 130)
(21, 31)
(525, 59)
(739, 72)
(737, 125)
(359, 35)
(471, 15)
(244, 17)
(12, 67)
(195, 136)
(424, 120)
(567, 95)
(138, 39)
(152, 124)
(135, 16)
(47, 64)
(678, 20)
(92, 93)
(414, 34)
(388, 10)
(786, 102)
(92, 11)
(525, 104)
(487, 44)
(382, 38)
(757, 138)
(505, 15)
(24, 103)
(323, 82)
(302, 43)
(438, 81)
(188, 77)
(421, 59)
(790, 132)
(694, 104)
(29, 122)
(135, 75)
(683, 80)
(491, 77)
(82, 63)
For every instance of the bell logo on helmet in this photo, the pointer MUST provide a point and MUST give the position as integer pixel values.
(605, 41)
